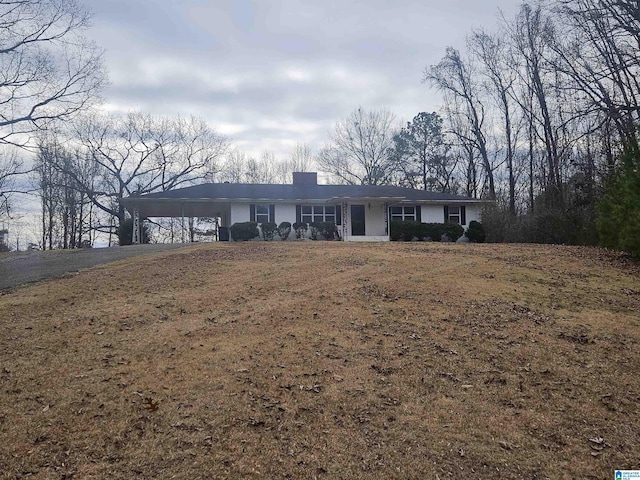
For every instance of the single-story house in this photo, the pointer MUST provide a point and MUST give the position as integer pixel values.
(361, 212)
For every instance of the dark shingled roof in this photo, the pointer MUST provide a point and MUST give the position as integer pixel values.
(252, 191)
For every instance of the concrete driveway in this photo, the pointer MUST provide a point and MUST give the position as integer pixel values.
(26, 267)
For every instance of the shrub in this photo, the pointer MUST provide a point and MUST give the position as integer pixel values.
(314, 230)
(453, 230)
(408, 230)
(475, 232)
(269, 230)
(244, 231)
(300, 228)
(284, 229)
(125, 232)
(404, 230)
(327, 230)
(430, 231)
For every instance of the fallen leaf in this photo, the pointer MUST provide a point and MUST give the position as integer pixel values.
(151, 404)
(505, 445)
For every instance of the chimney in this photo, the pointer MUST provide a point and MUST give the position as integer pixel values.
(305, 178)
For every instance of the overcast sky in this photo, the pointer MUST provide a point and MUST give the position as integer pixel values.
(272, 73)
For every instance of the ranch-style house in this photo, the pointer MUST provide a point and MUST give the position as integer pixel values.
(360, 212)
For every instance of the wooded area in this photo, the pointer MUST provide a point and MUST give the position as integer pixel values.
(539, 113)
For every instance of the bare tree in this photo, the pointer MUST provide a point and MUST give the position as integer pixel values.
(11, 168)
(67, 214)
(491, 50)
(234, 166)
(141, 154)
(361, 146)
(238, 167)
(301, 158)
(48, 71)
(533, 34)
(455, 77)
(600, 56)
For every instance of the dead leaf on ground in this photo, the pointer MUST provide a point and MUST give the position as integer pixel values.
(150, 404)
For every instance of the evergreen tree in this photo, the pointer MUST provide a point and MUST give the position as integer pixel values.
(619, 210)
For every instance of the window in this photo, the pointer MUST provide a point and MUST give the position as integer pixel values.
(403, 213)
(262, 213)
(455, 215)
(318, 213)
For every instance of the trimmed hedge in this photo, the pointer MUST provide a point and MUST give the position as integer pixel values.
(327, 230)
(475, 232)
(284, 229)
(407, 231)
(244, 231)
(300, 228)
(269, 230)
(314, 230)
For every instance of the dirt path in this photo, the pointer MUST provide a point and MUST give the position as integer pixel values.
(26, 267)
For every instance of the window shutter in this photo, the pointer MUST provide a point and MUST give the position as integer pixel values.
(298, 213)
(252, 212)
(463, 215)
(446, 214)
(272, 213)
(338, 214)
(418, 214)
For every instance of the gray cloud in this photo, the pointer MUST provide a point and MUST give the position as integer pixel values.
(270, 73)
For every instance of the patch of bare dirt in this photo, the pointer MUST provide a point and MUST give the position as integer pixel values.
(326, 360)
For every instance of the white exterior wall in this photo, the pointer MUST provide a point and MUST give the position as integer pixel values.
(374, 218)
(239, 213)
(432, 213)
(285, 212)
(473, 213)
(435, 213)
(374, 214)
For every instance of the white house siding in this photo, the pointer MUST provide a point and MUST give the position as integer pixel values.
(285, 213)
(375, 223)
(432, 213)
(239, 213)
(473, 213)
(435, 213)
(374, 215)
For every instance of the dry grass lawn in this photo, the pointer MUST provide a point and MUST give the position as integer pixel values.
(326, 360)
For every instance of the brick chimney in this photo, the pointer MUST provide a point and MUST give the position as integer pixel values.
(305, 178)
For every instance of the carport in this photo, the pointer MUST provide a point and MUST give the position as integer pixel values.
(165, 206)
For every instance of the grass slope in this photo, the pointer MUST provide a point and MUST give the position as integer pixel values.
(327, 360)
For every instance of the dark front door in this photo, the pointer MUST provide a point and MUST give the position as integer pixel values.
(357, 220)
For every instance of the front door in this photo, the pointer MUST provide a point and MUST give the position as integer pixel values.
(357, 220)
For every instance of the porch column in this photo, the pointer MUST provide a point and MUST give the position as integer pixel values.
(345, 220)
(135, 238)
(386, 219)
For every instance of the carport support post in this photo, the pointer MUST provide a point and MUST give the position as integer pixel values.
(135, 238)
(182, 222)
